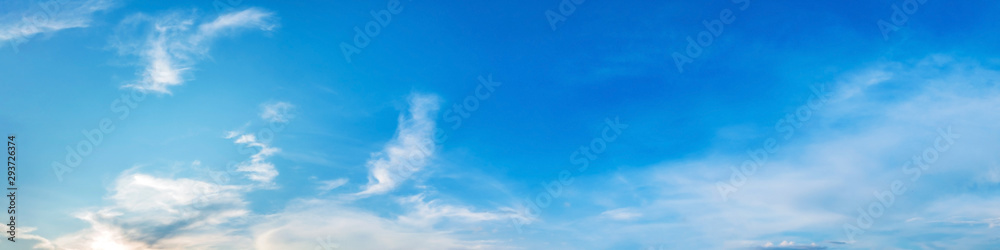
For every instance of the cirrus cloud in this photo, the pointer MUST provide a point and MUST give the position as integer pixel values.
(168, 46)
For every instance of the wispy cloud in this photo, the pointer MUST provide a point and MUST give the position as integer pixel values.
(621, 214)
(327, 185)
(43, 243)
(19, 26)
(148, 212)
(306, 223)
(276, 111)
(428, 213)
(790, 245)
(258, 168)
(168, 46)
(815, 184)
(151, 212)
(409, 151)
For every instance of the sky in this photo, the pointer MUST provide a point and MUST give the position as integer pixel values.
(553, 124)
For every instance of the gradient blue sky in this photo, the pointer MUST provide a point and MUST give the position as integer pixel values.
(242, 125)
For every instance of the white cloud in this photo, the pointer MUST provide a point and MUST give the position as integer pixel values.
(790, 245)
(25, 233)
(817, 180)
(162, 213)
(19, 26)
(428, 213)
(409, 151)
(257, 167)
(276, 111)
(621, 214)
(231, 22)
(327, 185)
(168, 46)
(309, 224)
(811, 188)
(148, 212)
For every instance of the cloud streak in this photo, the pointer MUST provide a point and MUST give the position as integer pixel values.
(859, 144)
(276, 111)
(326, 186)
(169, 46)
(258, 168)
(17, 27)
(409, 150)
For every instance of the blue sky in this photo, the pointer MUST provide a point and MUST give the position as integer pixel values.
(503, 125)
